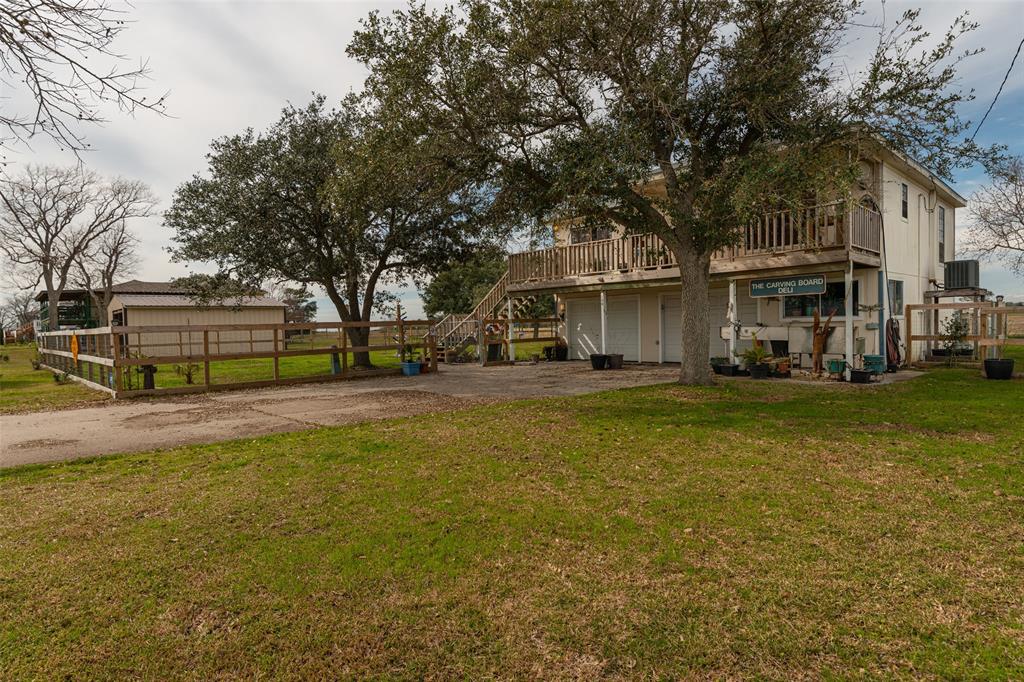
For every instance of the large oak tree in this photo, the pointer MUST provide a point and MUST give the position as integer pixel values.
(570, 106)
(344, 199)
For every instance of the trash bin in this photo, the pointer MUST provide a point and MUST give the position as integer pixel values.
(493, 352)
(615, 361)
(598, 360)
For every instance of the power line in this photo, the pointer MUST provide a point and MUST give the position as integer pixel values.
(1000, 90)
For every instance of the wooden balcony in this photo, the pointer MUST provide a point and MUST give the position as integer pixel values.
(828, 233)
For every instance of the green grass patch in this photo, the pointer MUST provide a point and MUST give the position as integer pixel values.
(23, 389)
(762, 530)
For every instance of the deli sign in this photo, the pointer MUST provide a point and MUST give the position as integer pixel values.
(787, 286)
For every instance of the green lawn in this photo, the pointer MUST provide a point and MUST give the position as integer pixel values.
(23, 389)
(762, 530)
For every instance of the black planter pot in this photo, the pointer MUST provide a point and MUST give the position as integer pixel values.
(727, 370)
(615, 361)
(999, 369)
(598, 360)
(717, 369)
(548, 352)
(760, 370)
(561, 353)
(860, 376)
(493, 352)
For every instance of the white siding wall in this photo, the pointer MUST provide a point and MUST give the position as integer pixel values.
(175, 343)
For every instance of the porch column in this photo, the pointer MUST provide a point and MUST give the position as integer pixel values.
(731, 319)
(604, 320)
(883, 309)
(508, 331)
(848, 296)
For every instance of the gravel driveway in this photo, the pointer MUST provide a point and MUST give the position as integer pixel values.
(138, 425)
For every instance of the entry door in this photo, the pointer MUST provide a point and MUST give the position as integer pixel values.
(671, 322)
(624, 328)
(583, 317)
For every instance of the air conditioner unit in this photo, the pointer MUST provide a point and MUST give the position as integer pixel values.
(962, 274)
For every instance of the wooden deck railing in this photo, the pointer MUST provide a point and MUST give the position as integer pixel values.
(815, 228)
(105, 358)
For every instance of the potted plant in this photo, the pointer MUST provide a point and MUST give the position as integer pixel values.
(757, 359)
(954, 332)
(860, 376)
(717, 363)
(999, 368)
(780, 368)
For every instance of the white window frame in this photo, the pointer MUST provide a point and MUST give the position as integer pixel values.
(897, 310)
(783, 317)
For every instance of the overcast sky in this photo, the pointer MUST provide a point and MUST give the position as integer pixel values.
(228, 66)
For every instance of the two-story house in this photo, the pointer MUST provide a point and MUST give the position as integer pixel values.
(619, 293)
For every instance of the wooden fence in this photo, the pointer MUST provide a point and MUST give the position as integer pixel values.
(117, 359)
(990, 326)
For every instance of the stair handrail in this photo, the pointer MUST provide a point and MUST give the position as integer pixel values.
(484, 308)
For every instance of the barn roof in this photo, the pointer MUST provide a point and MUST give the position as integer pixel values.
(185, 301)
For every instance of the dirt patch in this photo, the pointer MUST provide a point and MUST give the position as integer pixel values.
(43, 443)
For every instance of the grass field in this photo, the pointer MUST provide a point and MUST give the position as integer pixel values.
(23, 389)
(764, 530)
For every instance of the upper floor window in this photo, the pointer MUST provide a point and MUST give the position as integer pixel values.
(582, 234)
(832, 301)
(942, 234)
(904, 200)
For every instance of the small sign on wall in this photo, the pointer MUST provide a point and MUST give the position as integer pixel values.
(787, 286)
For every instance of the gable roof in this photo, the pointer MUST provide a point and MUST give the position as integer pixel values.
(186, 301)
(136, 286)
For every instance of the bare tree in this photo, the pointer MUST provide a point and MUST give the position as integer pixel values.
(111, 257)
(62, 51)
(19, 310)
(50, 217)
(998, 212)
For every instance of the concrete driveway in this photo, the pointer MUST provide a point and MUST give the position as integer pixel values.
(138, 425)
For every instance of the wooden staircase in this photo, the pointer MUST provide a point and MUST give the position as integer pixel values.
(457, 332)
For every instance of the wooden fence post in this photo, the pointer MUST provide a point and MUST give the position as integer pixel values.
(432, 345)
(115, 341)
(277, 357)
(206, 357)
(344, 350)
(401, 334)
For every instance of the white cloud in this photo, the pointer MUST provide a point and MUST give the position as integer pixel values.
(229, 66)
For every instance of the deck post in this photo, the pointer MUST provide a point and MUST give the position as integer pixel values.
(731, 318)
(481, 346)
(883, 308)
(848, 322)
(604, 321)
(508, 331)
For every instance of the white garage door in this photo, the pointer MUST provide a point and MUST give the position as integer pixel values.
(623, 327)
(583, 317)
(670, 323)
(718, 300)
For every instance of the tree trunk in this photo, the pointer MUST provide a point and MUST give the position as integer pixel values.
(695, 274)
(53, 311)
(360, 336)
